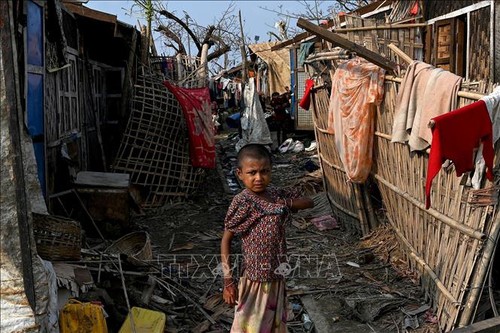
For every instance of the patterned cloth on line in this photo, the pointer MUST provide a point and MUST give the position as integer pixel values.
(195, 104)
(357, 89)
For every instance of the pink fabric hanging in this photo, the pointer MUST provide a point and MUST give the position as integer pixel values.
(195, 104)
(357, 89)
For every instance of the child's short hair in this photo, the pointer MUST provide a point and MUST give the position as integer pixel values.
(254, 150)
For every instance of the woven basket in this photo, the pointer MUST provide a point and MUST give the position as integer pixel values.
(57, 237)
(136, 245)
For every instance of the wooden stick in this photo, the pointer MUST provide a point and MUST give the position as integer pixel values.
(243, 51)
(335, 39)
(382, 27)
(400, 53)
(294, 40)
(479, 278)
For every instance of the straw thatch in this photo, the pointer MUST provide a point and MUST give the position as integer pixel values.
(154, 148)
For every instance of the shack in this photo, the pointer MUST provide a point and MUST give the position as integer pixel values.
(68, 75)
(451, 244)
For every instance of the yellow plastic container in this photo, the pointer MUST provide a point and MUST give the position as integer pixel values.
(78, 317)
(145, 321)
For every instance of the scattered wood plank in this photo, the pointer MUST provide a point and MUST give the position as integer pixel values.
(491, 325)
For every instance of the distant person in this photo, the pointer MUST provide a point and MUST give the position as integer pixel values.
(280, 121)
(258, 215)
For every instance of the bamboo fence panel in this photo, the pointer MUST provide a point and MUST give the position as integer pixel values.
(342, 194)
(444, 244)
(155, 148)
(451, 244)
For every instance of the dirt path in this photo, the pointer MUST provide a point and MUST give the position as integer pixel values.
(340, 283)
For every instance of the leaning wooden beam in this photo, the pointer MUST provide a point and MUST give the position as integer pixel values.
(291, 41)
(400, 53)
(335, 39)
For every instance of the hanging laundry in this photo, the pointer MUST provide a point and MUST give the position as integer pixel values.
(357, 89)
(305, 49)
(305, 102)
(454, 137)
(426, 92)
(492, 102)
(253, 122)
(195, 104)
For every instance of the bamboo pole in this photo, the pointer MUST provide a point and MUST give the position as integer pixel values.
(479, 277)
(388, 26)
(342, 209)
(243, 51)
(431, 211)
(425, 266)
(409, 60)
(400, 53)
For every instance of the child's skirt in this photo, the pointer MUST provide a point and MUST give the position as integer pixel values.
(261, 307)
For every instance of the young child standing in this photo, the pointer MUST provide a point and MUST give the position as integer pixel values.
(258, 215)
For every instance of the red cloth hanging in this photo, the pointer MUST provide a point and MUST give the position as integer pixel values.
(454, 136)
(305, 102)
(195, 105)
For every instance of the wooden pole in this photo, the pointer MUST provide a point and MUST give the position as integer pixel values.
(400, 53)
(382, 27)
(203, 73)
(479, 279)
(243, 52)
(335, 39)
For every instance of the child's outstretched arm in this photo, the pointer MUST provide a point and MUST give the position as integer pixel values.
(299, 203)
(230, 293)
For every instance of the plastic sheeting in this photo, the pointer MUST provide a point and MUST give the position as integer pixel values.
(253, 122)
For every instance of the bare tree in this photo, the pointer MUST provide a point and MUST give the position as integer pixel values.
(179, 31)
(315, 11)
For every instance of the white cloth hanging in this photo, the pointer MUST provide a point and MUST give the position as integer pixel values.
(253, 122)
(492, 102)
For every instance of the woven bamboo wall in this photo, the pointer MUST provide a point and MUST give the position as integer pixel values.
(479, 50)
(155, 146)
(408, 39)
(450, 244)
(342, 194)
(445, 255)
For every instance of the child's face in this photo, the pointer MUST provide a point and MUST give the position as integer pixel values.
(255, 174)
